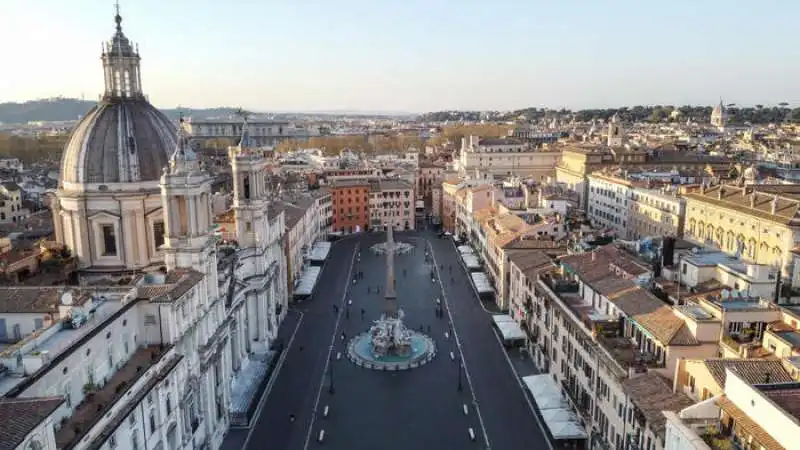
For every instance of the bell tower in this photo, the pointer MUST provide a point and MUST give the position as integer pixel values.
(249, 192)
(615, 132)
(121, 70)
(185, 195)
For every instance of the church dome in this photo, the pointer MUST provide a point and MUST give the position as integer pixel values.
(123, 138)
(119, 140)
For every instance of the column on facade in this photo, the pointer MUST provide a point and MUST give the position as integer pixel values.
(143, 240)
(191, 221)
(83, 229)
(128, 237)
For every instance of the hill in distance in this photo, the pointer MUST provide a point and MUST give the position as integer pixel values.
(61, 109)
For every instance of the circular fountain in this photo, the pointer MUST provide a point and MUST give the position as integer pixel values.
(397, 248)
(389, 345)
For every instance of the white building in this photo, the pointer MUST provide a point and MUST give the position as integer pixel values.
(763, 416)
(504, 156)
(392, 202)
(607, 204)
(655, 212)
(264, 132)
(160, 360)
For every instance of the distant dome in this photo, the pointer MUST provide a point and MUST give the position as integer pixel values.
(119, 140)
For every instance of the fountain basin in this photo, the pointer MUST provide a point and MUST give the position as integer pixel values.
(359, 351)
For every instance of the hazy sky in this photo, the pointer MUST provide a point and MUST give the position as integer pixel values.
(412, 55)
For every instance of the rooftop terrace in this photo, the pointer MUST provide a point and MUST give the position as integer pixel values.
(99, 400)
(606, 330)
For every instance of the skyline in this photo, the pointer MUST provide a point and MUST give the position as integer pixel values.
(415, 57)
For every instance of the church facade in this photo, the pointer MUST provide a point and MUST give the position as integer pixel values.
(168, 322)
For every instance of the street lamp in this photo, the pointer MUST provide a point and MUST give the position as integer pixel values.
(331, 389)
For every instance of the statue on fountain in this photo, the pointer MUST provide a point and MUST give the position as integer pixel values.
(390, 337)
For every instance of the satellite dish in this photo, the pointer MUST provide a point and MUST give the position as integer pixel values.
(66, 299)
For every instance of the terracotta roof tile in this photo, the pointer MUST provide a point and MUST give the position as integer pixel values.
(750, 370)
(652, 393)
(666, 327)
(29, 300)
(20, 416)
(636, 301)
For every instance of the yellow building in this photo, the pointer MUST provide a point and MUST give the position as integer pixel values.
(758, 222)
(655, 212)
(701, 379)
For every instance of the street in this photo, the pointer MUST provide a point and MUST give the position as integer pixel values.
(422, 408)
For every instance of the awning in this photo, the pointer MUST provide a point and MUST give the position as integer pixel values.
(307, 281)
(481, 283)
(471, 261)
(561, 420)
(508, 327)
(319, 252)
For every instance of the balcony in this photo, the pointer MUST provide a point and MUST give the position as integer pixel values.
(741, 343)
(626, 353)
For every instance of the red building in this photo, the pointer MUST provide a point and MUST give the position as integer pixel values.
(350, 202)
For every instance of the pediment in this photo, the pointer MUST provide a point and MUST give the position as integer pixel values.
(104, 215)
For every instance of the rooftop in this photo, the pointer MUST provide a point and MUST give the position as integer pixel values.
(167, 287)
(30, 299)
(20, 416)
(98, 402)
(759, 202)
(62, 334)
(751, 370)
(652, 393)
(786, 396)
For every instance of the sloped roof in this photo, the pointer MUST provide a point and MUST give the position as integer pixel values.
(652, 393)
(20, 416)
(753, 371)
(666, 327)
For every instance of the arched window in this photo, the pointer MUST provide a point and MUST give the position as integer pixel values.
(117, 84)
(246, 187)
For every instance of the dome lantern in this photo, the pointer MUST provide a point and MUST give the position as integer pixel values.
(121, 68)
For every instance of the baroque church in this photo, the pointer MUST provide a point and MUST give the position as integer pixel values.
(170, 330)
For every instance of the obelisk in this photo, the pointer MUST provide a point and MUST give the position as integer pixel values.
(390, 303)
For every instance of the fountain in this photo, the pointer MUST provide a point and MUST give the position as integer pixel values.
(389, 345)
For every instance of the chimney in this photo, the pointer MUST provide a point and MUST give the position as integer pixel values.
(774, 205)
(594, 254)
(703, 188)
(753, 198)
(721, 192)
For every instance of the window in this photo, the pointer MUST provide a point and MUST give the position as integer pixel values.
(135, 442)
(109, 240)
(158, 234)
(169, 404)
(112, 441)
(152, 423)
(246, 186)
